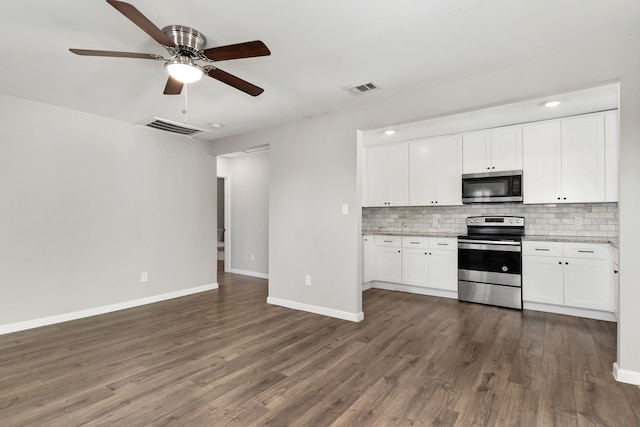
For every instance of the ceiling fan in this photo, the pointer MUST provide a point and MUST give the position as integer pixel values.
(185, 45)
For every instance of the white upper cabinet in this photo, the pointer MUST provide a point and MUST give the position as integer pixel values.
(583, 159)
(435, 169)
(565, 161)
(386, 175)
(498, 149)
(542, 162)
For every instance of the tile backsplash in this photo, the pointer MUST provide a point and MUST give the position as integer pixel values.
(577, 219)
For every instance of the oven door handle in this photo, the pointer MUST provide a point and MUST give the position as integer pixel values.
(490, 242)
(480, 245)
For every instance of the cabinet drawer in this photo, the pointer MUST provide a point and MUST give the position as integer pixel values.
(393, 241)
(444, 243)
(542, 248)
(586, 250)
(415, 242)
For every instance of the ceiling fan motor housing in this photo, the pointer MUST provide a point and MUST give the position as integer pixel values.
(189, 41)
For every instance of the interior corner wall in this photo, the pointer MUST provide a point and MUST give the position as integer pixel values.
(249, 199)
(628, 208)
(314, 164)
(90, 203)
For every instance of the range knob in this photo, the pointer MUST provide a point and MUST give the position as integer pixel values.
(518, 220)
(511, 221)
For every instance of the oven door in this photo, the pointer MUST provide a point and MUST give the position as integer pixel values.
(493, 262)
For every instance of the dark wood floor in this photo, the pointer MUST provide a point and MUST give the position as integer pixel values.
(225, 357)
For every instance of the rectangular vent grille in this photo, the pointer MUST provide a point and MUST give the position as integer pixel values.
(175, 127)
(360, 89)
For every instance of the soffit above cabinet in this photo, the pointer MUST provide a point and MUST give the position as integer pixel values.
(590, 100)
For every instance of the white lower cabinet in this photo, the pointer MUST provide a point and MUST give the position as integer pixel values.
(367, 258)
(424, 262)
(443, 271)
(573, 275)
(387, 258)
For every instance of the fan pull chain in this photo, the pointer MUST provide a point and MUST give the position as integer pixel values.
(184, 110)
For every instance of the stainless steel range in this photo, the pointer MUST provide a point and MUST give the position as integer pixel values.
(490, 261)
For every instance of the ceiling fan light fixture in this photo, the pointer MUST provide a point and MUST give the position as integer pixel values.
(184, 70)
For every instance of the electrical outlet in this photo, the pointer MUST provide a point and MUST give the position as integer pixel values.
(144, 277)
(307, 280)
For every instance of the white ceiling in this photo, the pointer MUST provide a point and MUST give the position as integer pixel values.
(318, 47)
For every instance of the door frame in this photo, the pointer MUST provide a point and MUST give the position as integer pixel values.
(227, 222)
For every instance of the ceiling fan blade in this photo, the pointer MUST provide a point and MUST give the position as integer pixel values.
(237, 51)
(111, 53)
(234, 81)
(173, 87)
(135, 16)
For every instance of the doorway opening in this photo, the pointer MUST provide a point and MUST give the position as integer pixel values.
(223, 219)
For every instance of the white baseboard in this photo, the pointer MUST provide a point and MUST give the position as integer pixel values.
(344, 315)
(625, 375)
(366, 286)
(249, 273)
(59, 318)
(571, 311)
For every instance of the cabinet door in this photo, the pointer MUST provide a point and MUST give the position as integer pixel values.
(476, 152)
(506, 148)
(587, 283)
(422, 185)
(541, 148)
(387, 176)
(377, 176)
(415, 267)
(443, 269)
(398, 164)
(583, 161)
(435, 169)
(367, 259)
(388, 264)
(447, 167)
(542, 279)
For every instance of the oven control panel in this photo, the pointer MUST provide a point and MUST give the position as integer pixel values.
(496, 221)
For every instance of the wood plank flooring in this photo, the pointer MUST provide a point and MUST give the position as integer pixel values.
(226, 358)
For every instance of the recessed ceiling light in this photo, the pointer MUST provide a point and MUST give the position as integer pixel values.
(551, 104)
(216, 125)
(389, 132)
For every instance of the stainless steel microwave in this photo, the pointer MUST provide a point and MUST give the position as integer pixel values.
(492, 187)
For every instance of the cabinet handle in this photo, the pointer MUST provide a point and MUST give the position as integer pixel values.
(436, 201)
(443, 244)
(542, 249)
(488, 167)
(388, 241)
(415, 243)
(558, 198)
(566, 263)
(560, 262)
(493, 167)
(586, 252)
(615, 271)
(564, 198)
(398, 251)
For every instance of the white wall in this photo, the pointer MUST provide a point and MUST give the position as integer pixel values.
(314, 164)
(89, 203)
(249, 200)
(628, 361)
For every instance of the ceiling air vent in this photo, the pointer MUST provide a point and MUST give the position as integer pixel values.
(360, 89)
(175, 127)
